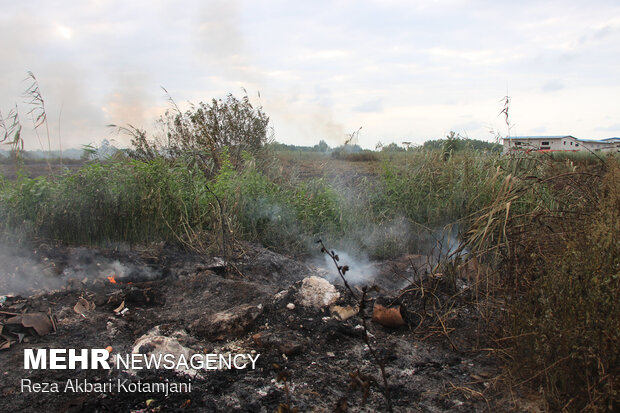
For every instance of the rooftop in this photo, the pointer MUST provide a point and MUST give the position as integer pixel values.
(606, 140)
(540, 137)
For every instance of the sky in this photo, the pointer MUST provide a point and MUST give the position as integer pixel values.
(401, 70)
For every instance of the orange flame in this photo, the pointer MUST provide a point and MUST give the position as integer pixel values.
(111, 279)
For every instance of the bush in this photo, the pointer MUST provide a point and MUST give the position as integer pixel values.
(358, 156)
(131, 201)
(569, 320)
(281, 216)
(200, 134)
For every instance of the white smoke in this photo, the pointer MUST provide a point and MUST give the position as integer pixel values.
(24, 271)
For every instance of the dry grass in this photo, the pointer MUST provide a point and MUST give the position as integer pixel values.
(552, 235)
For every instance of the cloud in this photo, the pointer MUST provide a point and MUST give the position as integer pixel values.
(325, 55)
(552, 86)
(64, 31)
(610, 128)
(481, 56)
(466, 126)
(322, 67)
(539, 130)
(371, 106)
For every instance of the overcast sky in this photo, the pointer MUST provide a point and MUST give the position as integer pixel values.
(403, 70)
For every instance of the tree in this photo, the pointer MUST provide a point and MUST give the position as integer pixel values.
(450, 145)
(322, 146)
(203, 131)
(392, 147)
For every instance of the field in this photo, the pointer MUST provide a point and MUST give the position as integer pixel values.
(461, 279)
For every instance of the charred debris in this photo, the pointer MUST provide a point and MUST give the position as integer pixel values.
(407, 342)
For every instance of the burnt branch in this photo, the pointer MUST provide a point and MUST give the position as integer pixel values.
(362, 303)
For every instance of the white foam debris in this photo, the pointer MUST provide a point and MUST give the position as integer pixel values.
(317, 292)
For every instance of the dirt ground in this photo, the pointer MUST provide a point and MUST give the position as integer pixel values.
(256, 306)
(40, 168)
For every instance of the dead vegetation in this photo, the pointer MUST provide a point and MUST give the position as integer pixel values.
(552, 234)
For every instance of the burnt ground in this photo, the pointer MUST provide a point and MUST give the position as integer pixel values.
(199, 305)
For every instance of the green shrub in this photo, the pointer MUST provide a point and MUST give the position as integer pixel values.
(363, 156)
(201, 134)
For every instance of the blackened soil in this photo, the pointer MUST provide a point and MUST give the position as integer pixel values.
(325, 362)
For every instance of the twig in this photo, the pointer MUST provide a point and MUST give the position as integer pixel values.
(467, 391)
(223, 224)
(38, 113)
(342, 269)
(445, 332)
(546, 369)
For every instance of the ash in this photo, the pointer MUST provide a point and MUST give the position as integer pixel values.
(252, 305)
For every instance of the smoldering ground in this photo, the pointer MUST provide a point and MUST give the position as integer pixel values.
(227, 313)
(26, 270)
(22, 273)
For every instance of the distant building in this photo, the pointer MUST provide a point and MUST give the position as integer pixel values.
(560, 143)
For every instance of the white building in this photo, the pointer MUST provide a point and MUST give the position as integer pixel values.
(560, 143)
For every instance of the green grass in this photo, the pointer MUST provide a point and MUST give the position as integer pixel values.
(427, 189)
(129, 201)
(142, 201)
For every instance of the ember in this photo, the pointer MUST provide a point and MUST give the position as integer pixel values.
(112, 279)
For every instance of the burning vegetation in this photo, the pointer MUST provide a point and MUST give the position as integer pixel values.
(459, 279)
